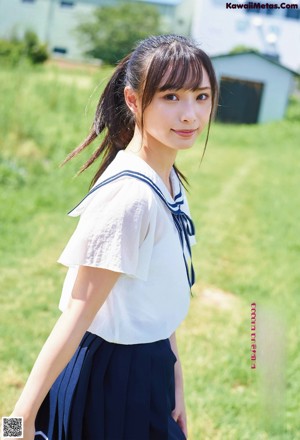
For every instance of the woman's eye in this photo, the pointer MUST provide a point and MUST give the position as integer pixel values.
(203, 96)
(170, 97)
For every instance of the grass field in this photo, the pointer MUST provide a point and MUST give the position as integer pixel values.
(245, 201)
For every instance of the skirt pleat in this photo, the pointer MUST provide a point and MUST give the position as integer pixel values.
(112, 392)
(79, 399)
(136, 406)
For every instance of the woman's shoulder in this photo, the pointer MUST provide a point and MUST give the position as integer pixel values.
(126, 189)
(116, 188)
(123, 197)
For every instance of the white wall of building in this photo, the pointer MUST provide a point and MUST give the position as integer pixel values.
(220, 29)
(16, 17)
(54, 21)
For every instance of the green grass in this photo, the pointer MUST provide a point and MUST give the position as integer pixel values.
(245, 201)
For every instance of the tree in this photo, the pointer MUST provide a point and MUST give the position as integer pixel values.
(112, 31)
(241, 48)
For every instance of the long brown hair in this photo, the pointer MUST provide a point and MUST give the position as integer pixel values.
(177, 61)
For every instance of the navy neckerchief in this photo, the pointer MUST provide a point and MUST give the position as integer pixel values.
(182, 221)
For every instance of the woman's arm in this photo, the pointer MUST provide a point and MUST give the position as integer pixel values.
(91, 288)
(179, 413)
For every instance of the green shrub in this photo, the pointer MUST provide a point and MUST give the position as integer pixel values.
(14, 50)
(293, 111)
(34, 50)
(11, 51)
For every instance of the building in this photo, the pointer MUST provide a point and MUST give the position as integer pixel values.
(54, 21)
(253, 88)
(220, 26)
(217, 24)
(183, 20)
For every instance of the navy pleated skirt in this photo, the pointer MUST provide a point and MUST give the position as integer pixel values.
(112, 392)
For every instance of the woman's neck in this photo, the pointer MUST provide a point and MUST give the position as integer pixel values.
(158, 157)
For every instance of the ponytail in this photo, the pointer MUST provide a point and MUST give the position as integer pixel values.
(112, 115)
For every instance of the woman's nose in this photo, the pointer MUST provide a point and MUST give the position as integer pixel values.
(188, 113)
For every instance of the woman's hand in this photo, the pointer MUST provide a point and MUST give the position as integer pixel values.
(28, 427)
(179, 412)
(29, 431)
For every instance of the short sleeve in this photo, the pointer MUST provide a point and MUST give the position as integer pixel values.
(116, 231)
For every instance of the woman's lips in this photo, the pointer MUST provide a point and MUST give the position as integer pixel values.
(185, 133)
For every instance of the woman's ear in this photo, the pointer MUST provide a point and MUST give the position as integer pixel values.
(132, 100)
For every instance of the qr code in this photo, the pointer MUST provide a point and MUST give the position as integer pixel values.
(12, 427)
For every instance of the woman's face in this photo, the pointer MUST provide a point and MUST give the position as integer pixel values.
(175, 118)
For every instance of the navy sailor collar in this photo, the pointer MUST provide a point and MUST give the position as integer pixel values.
(127, 161)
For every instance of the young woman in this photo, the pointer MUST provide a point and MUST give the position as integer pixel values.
(110, 369)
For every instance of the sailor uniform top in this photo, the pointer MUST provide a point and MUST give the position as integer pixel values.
(130, 223)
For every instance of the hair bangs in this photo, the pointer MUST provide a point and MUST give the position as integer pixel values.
(172, 68)
(186, 73)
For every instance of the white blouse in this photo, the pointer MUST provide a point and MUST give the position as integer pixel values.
(125, 227)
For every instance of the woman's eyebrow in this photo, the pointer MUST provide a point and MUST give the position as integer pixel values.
(203, 88)
(170, 88)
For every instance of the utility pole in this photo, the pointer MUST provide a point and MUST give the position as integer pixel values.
(49, 23)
